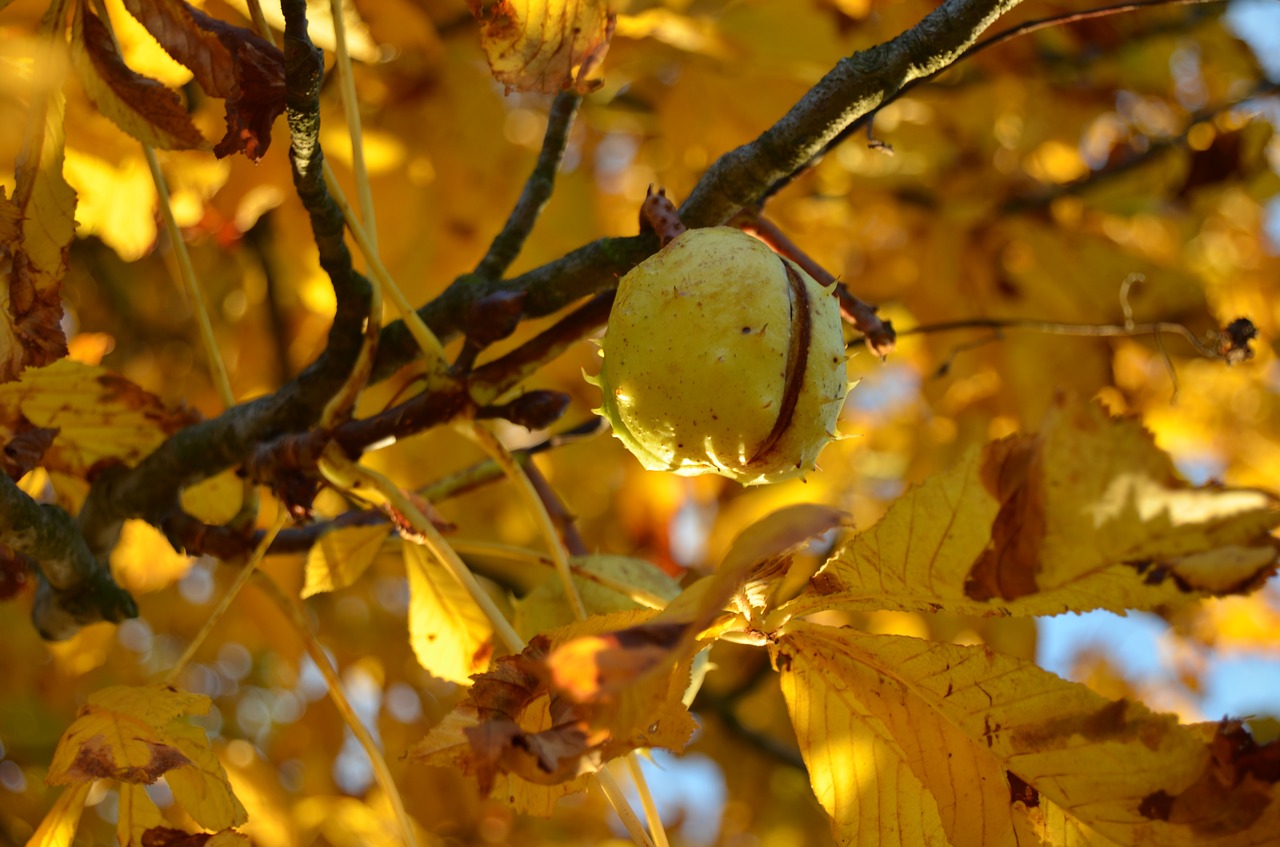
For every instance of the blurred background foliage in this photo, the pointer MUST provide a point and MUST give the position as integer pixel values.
(1027, 182)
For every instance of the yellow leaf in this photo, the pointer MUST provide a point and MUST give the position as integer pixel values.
(755, 563)
(341, 555)
(963, 719)
(1087, 514)
(449, 633)
(140, 106)
(30, 291)
(154, 705)
(144, 560)
(117, 199)
(684, 32)
(1037, 820)
(59, 826)
(215, 500)
(136, 735)
(544, 45)
(137, 813)
(108, 745)
(545, 608)
(203, 789)
(99, 415)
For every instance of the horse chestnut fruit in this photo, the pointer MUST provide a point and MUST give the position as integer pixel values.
(723, 357)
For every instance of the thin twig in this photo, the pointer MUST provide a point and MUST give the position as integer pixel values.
(560, 514)
(1080, 330)
(1009, 34)
(351, 108)
(296, 615)
(515, 472)
(853, 89)
(224, 604)
(878, 333)
(537, 189)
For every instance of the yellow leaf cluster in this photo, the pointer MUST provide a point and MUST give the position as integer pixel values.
(135, 736)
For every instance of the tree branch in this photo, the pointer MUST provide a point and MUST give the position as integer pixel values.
(537, 190)
(74, 587)
(150, 490)
(856, 86)
(1025, 28)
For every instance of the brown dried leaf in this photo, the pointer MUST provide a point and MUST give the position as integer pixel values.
(516, 728)
(24, 448)
(520, 727)
(139, 105)
(228, 62)
(1231, 793)
(545, 45)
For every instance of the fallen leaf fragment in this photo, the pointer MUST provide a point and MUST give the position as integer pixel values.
(511, 723)
(545, 45)
(140, 106)
(228, 62)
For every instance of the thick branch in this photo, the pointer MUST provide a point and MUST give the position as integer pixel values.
(74, 587)
(589, 270)
(857, 85)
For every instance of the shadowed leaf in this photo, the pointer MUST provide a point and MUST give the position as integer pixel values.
(140, 106)
(228, 62)
(544, 45)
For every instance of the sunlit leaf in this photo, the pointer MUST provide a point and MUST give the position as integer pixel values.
(120, 735)
(545, 607)
(1086, 514)
(960, 718)
(144, 560)
(544, 45)
(135, 736)
(58, 828)
(202, 788)
(341, 555)
(449, 633)
(215, 500)
(228, 62)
